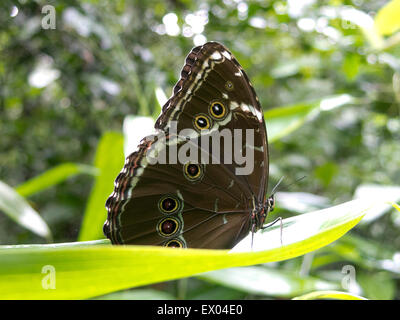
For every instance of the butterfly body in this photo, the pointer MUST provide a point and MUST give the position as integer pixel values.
(179, 190)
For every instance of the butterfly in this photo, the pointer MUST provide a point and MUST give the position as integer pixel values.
(198, 202)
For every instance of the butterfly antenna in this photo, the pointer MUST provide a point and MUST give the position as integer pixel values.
(276, 186)
(274, 190)
(297, 180)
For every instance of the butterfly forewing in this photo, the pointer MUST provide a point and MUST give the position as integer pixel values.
(212, 74)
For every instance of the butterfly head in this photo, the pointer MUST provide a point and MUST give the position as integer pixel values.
(270, 203)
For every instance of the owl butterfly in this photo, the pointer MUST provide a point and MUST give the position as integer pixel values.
(177, 192)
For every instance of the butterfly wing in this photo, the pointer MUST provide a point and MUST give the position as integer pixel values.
(159, 204)
(164, 204)
(212, 74)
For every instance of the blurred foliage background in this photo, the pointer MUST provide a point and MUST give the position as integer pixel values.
(62, 89)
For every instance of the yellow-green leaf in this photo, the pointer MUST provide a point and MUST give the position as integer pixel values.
(84, 271)
(52, 177)
(109, 160)
(318, 295)
(387, 20)
(284, 120)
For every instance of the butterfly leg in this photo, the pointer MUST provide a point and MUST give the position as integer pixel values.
(272, 223)
(252, 235)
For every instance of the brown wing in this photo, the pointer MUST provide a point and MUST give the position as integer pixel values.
(211, 73)
(212, 211)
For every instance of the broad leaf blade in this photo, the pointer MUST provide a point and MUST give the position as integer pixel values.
(269, 282)
(52, 177)
(84, 272)
(284, 120)
(16, 207)
(318, 295)
(109, 160)
(325, 225)
(387, 19)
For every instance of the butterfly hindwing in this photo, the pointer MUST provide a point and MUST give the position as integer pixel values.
(137, 215)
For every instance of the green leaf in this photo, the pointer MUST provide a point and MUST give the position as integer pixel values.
(87, 271)
(387, 19)
(52, 177)
(351, 65)
(396, 206)
(377, 285)
(269, 282)
(326, 172)
(365, 253)
(364, 21)
(322, 224)
(318, 295)
(284, 120)
(214, 292)
(21, 212)
(139, 294)
(355, 249)
(109, 160)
